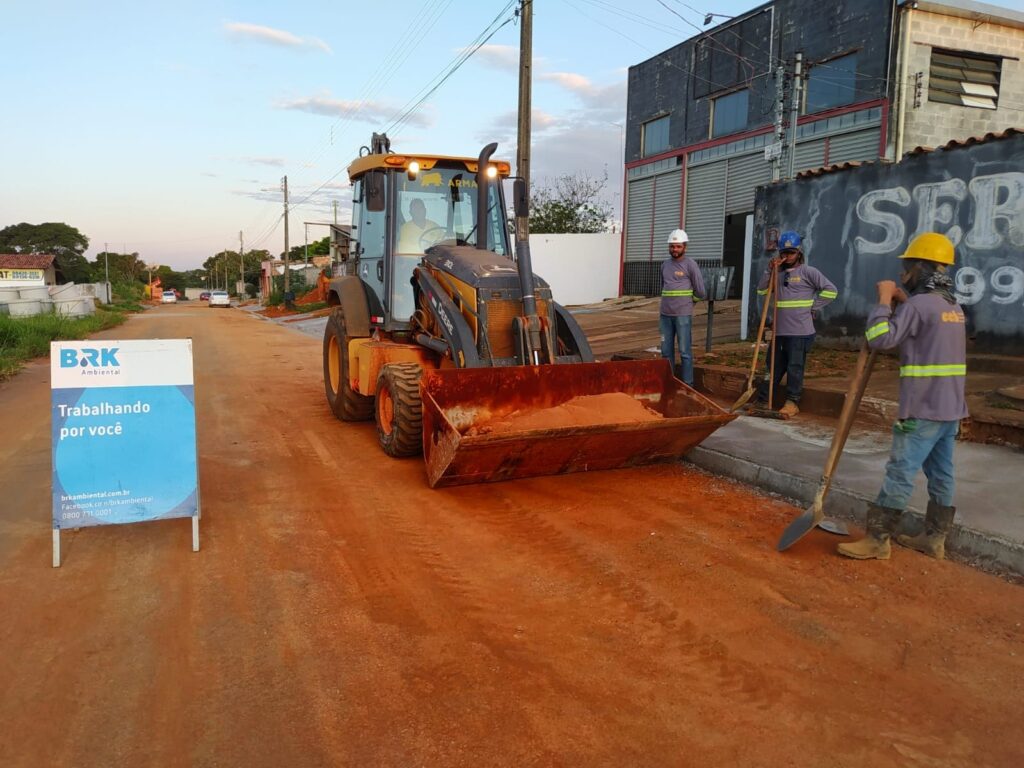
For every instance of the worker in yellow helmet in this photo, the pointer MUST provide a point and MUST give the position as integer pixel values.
(928, 327)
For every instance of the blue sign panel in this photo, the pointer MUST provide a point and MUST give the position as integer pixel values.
(123, 432)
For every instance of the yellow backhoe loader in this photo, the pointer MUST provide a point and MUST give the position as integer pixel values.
(445, 337)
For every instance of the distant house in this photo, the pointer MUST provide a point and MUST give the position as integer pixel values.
(20, 270)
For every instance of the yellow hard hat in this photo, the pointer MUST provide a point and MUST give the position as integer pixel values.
(931, 246)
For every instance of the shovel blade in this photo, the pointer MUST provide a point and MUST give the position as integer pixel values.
(834, 526)
(744, 399)
(799, 528)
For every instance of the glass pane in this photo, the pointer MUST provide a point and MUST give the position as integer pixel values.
(655, 136)
(730, 114)
(832, 84)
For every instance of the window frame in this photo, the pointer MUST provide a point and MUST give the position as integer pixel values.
(715, 112)
(991, 64)
(643, 135)
(827, 67)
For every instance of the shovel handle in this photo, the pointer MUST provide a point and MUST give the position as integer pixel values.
(760, 327)
(861, 374)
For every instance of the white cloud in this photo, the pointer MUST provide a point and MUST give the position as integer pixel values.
(606, 102)
(376, 112)
(274, 162)
(504, 127)
(280, 37)
(500, 57)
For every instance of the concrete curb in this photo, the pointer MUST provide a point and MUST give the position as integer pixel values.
(981, 548)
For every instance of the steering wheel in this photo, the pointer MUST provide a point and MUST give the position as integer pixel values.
(430, 237)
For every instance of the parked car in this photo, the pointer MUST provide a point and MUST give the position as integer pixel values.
(204, 296)
(220, 299)
(169, 297)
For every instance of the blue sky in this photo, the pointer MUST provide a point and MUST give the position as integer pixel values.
(165, 128)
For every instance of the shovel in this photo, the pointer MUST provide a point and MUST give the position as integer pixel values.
(749, 393)
(815, 514)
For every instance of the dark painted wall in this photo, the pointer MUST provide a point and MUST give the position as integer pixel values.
(857, 222)
(676, 82)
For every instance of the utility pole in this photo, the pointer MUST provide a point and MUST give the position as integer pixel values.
(305, 241)
(241, 260)
(794, 112)
(106, 262)
(525, 106)
(780, 110)
(287, 282)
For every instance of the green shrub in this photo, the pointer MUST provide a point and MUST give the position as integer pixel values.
(23, 338)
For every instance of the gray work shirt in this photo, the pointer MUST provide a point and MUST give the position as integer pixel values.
(932, 338)
(800, 291)
(681, 281)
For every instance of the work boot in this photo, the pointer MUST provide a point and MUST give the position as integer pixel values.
(789, 410)
(932, 540)
(881, 522)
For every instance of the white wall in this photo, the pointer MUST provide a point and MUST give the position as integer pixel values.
(580, 269)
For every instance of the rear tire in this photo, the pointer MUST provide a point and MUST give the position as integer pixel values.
(346, 404)
(398, 410)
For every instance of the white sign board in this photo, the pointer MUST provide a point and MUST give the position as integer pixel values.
(123, 433)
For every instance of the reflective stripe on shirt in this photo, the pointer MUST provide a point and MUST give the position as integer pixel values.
(954, 369)
(828, 294)
(677, 293)
(794, 303)
(877, 330)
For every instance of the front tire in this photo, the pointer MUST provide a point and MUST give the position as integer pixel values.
(346, 404)
(398, 410)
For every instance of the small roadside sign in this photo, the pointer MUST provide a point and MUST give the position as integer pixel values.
(123, 427)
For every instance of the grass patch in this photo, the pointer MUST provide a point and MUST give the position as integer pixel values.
(314, 307)
(23, 338)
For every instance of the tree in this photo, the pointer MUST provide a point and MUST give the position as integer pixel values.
(124, 267)
(66, 243)
(571, 203)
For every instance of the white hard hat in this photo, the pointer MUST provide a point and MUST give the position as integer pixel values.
(678, 236)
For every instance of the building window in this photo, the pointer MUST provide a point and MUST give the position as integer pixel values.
(967, 81)
(832, 84)
(655, 137)
(729, 113)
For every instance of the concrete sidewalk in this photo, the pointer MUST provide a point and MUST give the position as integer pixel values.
(787, 457)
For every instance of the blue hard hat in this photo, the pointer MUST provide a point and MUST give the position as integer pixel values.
(790, 241)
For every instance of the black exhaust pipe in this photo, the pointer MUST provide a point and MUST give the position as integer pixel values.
(481, 191)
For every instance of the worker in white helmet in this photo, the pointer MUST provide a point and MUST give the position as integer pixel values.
(681, 283)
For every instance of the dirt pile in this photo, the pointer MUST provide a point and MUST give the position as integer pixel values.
(310, 297)
(582, 411)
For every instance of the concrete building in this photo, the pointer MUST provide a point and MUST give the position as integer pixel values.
(705, 118)
(24, 270)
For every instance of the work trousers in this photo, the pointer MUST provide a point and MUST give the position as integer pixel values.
(678, 329)
(790, 357)
(919, 444)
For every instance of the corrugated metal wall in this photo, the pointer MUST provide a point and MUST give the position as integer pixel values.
(745, 174)
(668, 195)
(809, 155)
(705, 210)
(849, 147)
(639, 219)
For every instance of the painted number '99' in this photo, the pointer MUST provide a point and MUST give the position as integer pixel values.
(1007, 285)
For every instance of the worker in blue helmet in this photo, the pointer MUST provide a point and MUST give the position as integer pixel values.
(800, 292)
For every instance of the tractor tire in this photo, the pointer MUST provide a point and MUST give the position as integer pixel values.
(346, 404)
(398, 410)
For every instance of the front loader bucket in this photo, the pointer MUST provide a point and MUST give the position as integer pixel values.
(482, 425)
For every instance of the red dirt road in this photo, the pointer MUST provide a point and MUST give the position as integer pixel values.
(340, 613)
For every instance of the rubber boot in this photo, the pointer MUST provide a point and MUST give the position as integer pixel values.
(881, 522)
(932, 540)
(789, 410)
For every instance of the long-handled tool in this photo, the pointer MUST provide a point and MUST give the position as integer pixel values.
(775, 345)
(749, 393)
(815, 514)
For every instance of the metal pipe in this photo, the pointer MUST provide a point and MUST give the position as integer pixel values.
(481, 192)
(901, 103)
